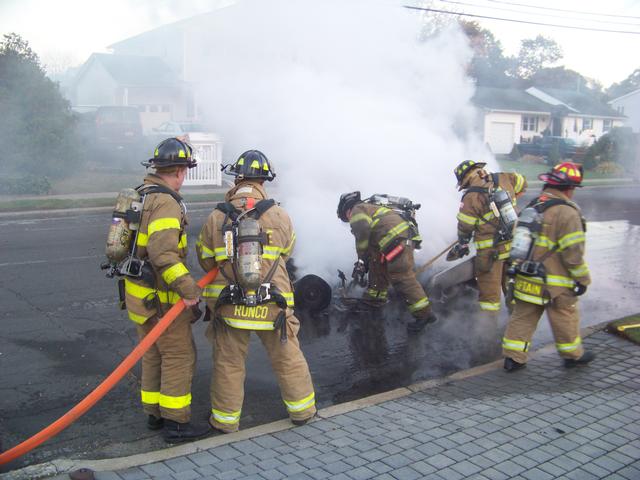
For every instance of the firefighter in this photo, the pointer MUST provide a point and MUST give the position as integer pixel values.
(385, 242)
(167, 367)
(252, 293)
(491, 235)
(555, 274)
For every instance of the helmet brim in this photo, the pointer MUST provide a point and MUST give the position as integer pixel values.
(551, 179)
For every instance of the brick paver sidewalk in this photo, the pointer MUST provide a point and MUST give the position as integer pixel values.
(543, 422)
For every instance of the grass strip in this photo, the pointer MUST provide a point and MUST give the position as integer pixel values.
(31, 204)
(632, 334)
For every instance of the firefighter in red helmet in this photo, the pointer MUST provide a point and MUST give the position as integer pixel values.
(549, 270)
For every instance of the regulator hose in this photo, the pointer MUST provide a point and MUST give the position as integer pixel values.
(101, 390)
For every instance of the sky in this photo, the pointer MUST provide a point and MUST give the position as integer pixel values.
(66, 32)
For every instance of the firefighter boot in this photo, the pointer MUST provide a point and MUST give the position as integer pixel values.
(175, 432)
(425, 317)
(510, 365)
(155, 423)
(583, 360)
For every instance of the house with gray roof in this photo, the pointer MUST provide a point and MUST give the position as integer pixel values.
(145, 82)
(629, 106)
(510, 116)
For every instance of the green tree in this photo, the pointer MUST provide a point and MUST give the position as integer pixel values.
(36, 125)
(535, 54)
(489, 65)
(629, 84)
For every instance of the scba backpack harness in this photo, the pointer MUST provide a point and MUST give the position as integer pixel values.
(501, 205)
(249, 301)
(407, 211)
(122, 240)
(528, 276)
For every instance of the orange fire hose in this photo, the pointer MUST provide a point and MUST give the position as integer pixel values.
(101, 390)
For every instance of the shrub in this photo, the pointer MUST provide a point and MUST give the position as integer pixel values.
(609, 168)
(26, 185)
(617, 146)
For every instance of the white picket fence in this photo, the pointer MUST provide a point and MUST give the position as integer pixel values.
(209, 157)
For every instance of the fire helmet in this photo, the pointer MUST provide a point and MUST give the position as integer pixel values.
(251, 164)
(170, 153)
(347, 202)
(567, 174)
(463, 168)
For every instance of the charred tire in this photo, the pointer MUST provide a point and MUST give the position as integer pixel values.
(312, 293)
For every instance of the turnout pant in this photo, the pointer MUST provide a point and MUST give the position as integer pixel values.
(565, 325)
(167, 370)
(399, 272)
(489, 271)
(230, 348)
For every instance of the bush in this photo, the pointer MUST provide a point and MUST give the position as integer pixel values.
(609, 168)
(617, 146)
(26, 185)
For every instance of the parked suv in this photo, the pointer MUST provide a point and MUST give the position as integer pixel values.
(110, 125)
(543, 146)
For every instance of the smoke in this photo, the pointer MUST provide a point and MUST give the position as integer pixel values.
(341, 96)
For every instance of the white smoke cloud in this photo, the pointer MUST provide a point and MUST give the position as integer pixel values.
(341, 96)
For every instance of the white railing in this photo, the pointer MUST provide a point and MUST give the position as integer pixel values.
(209, 157)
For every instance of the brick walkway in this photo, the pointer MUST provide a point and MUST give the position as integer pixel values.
(544, 422)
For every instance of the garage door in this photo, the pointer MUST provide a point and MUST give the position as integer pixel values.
(500, 137)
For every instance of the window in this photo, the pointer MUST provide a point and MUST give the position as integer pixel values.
(529, 124)
(620, 109)
(142, 108)
(166, 108)
(606, 126)
(587, 123)
(153, 108)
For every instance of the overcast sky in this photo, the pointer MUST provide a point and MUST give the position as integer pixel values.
(68, 31)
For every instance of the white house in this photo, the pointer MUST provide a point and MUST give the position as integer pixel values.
(132, 80)
(511, 116)
(629, 106)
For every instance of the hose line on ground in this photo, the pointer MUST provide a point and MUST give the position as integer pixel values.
(101, 390)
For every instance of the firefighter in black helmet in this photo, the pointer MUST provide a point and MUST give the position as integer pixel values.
(251, 164)
(171, 152)
(384, 243)
(264, 308)
(168, 366)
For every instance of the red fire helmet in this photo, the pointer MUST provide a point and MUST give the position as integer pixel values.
(564, 174)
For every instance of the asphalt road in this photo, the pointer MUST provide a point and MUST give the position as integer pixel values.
(62, 332)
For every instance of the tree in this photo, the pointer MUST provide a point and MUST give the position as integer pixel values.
(36, 125)
(629, 84)
(489, 65)
(535, 54)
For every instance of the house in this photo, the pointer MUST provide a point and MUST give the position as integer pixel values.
(511, 116)
(629, 106)
(145, 82)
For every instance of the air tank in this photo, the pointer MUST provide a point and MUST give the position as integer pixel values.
(121, 231)
(249, 258)
(505, 207)
(523, 238)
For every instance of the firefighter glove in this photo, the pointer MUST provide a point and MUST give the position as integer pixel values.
(459, 250)
(579, 289)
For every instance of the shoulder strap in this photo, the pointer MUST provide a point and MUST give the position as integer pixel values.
(229, 211)
(263, 205)
(541, 206)
(476, 190)
(147, 189)
(495, 178)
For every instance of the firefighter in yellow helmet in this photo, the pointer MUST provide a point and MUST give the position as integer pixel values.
(487, 215)
(385, 242)
(249, 238)
(549, 271)
(161, 245)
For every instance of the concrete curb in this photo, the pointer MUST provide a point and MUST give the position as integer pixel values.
(63, 466)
